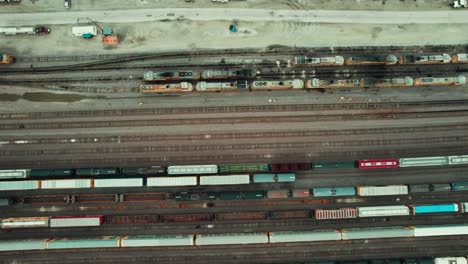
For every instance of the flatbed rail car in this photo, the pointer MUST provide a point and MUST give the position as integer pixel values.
(377, 163)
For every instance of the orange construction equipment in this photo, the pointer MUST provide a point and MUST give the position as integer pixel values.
(110, 40)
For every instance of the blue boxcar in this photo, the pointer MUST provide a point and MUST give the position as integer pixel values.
(338, 191)
(434, 208)
(285, 177)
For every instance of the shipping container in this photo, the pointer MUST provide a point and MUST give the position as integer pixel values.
(18, 185)
(118, 182)
(97, 171)
(263, 178)
(450, 260)
(171, 181)
(24, 222)
(192, 169)
(241, 216)
(434, 208)
(24, 244)
(174, 218)
(456, 186)
(130, 219)
(382, 190)
(229, 239)
(225, 179)
(76, 221)
(343, 213)
(290, 167)
(285, 177)
(13, 174)
(289, 214)
(335, 191)
(158, 241)
(443, 230)
(101, 242)
(418, 188)
(377, 163)
(253, 195)
(423, 161)
(379, 232)
(349, 164)
(277, 194)
(153, 170)
(389, 210)
(66, 184)
(51, 173)
(300, 193)
(304, 236)
(244, 167)
(455, 160)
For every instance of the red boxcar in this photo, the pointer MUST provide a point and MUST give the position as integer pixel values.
(343, 213)
(300, 193)
(241, 216)
(131, 219)
(290, 167)
(289, 214)
(377, 163)
(174, 218)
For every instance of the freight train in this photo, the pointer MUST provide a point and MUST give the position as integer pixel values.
(198, 240)
(193, 75)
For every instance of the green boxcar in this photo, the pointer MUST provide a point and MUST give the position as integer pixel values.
(418, 261)
(327, 165)
(254, 195)
(418, 188)
(96, 171)
(385, 261)
(423, 161)
(460, 186)
(263, 177)
(50, 172)
(244, 167)
(230, 195)
(286, 177)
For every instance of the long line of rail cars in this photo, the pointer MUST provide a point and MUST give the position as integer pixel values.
(234, 238)
(317, 214)
(444, 260)
(298, 84)
(235, 168)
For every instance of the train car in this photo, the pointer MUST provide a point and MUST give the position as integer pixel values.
(67, 184)
(343, 213)
(391, 210)
(192, 169)
(166, 88)
(290, 167)
(5, 201)
(229, 239)
(316, 83)
(216, 75)
(456, 160)
(459, 186)
(418, 188)
(460, 58)
(289, 214)
(325, 165)
(264, 178)
(426, 59)
(171, 76)
(277, 85)
(285, 177)
(319, 61)
(6, 59)
(25, 222)
(423, 161)
(178, 218)
(244, 167)
(464, 207)
(171, 181)
(230, 195)
(377, 163)
(241, 216)
(23, 244)
(41, 173)
(68, 243)
(97, 172)
(118, 182)
(278, 194)
(304, 236)
(440, 81)
(13, 174)
(157, 241)
(382, 190)
(300, 193)
(434, 208)
(335, 191)
(225, 179)
(130, 219)
(372, 60)
(133, 171)
(376, 232)
(253, 195)
(221, 86)
(389, 83)
(76, 221)
(441, 230)
(19, 185)
(450, 260)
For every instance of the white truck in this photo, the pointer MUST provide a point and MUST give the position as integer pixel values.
(83, 30)
(460, 3)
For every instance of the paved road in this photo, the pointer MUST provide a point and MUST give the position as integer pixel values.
(207, 14)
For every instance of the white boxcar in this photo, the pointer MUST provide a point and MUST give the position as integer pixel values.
(23, 222)
(229, 239)
(79, 31)
(392, 210)
(75, 221)
(445, 230)
(304, 236)
(225, 179)
(26, 244)
(382, 190)
(192, 169)
(157, 241)
(13, 174)
(118, 182)
(454, 160)
(423, 161)
(18, 30)
(172, 181)
(109, 241)
(66, 184)
(450, 260)
(380, 232)
(18, 185)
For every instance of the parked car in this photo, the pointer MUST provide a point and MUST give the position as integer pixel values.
(67, 3)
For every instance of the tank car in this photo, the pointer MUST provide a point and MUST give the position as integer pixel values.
(168, 76)
(346, 83)
(212, 75)
(460, 58)
(220, 86)
(388, 83)
(322, 61)
(426, 59)
(277, 85)
(441, 81)
(167, 88)
(373, 60)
